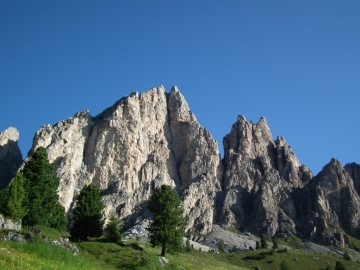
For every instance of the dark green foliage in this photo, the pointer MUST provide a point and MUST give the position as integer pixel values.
(347, 256)
(88, 216)
(221, 246)
(284, 266)
(258, 245)
(275, 243)
(328, 267)
(112, 230)
(282, 250)
(339, 266)
(263, 241)
(167, 228)
(258, 257)
(187, 246)
(42, 200)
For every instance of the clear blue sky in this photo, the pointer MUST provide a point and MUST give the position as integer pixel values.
(295, 62)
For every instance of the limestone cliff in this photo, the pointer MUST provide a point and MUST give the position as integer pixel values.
(10, 155)
(141, 142)
(332, 205)
(149, 139)
(261, 180)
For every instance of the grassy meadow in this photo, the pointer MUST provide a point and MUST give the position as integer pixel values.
(98, 254)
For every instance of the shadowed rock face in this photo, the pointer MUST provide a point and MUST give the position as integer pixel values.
(262, 180)
(138, 144)
(10, 155)
(149, 139)
(333, 205)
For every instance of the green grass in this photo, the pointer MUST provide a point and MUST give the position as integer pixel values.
(98, 254)
(39, 255)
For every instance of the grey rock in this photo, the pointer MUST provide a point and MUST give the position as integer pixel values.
(141, 142)
(10, 156)
(8, 224)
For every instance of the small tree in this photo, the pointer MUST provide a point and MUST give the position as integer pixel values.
(41, 198)
(112, 230)
(13, 198)
(88, 214)
(167, 228)
(187, 246)
(258, 245)
(221, 246)
(347, 256)
(263, 241)
(275, 243)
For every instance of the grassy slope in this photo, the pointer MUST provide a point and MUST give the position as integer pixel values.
(98, 254)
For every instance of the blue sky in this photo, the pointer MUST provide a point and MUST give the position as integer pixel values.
(297, 63)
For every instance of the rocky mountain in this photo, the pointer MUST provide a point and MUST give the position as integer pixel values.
(149, 139)
(10, 155)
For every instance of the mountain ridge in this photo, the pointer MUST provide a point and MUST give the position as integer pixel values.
(148, 139)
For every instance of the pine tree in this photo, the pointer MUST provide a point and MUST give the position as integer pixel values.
(263, 241)
(187, 246)
(14, 198)
(41, 198)
(112, 230)
(167, 228)
(88, 216)
(275, 243)
(221, 246)
(258, 245)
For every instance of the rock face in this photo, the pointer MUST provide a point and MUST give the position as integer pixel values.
(261, 181)
(149, 139)
(138, 144)
(10, 155)
(333, 205)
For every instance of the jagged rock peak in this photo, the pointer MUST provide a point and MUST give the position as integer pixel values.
(260, 180)
(10, 155)
(141, 142)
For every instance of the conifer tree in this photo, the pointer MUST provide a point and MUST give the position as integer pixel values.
(13, 198)
(263, 241)
(112, 230)
(187, 246)
(167, 228)
(41, 198)
(88, 214)
(221, 246)
(258, 245)
(275, 243)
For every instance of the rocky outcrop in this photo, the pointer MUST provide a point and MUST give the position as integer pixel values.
(333, 206)
(353, 170)
(8, 224)
(141, 142)
(10, 155)
(262, 180)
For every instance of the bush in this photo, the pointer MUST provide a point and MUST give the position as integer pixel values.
(284, 266)
(258, 245)
(339, 266)
(347, 256)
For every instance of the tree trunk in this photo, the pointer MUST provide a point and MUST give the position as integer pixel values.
(163, 250)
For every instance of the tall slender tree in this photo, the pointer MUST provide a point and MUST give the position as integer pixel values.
(14, 197)
(41, 198)
(167, 228)
(88, 214)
